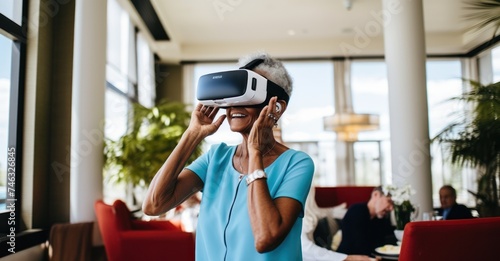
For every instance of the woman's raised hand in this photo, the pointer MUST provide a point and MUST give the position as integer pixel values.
(262, 131)
(202, 120)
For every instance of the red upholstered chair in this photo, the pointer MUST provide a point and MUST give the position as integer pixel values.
(127, 239)
(466, 239)
(333, 196)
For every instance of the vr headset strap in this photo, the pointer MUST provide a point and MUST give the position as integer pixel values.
(273, 88)
(251, 65)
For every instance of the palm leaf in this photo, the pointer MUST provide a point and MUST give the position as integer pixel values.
(473, 139)
(485, 13)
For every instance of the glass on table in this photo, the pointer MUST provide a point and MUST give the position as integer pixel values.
(428, 216)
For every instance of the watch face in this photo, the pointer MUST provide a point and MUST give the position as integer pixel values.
(260, 174)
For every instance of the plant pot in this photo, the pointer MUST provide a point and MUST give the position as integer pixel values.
(402, 215)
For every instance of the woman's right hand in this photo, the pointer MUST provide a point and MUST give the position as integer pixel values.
(202, 120)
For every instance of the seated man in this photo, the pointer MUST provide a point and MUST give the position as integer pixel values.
(450, 209)
(367, 226)
(310, 250)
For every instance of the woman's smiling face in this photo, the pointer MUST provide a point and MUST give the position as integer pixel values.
(241, 119)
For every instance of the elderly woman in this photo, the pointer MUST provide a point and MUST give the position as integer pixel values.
(253, 193)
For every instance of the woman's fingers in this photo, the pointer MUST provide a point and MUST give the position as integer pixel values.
(212, 112)
(219, 121)
(208, 112)
(270, 111)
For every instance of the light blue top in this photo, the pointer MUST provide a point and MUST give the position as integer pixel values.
(223, 231)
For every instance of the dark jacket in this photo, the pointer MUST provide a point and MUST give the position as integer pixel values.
(457, 211)
(361, 234)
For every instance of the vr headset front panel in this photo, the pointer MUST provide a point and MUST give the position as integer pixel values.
(232, 88)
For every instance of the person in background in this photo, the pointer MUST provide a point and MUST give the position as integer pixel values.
(367, 226)
(450, 209)
(312, 251)
(253, 192)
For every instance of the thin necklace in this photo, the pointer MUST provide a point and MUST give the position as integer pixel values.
(241, 156)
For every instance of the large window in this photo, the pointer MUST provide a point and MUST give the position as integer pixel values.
(311, 100)
(121, 78)
(495, 59)
(370, 94)
(443, 83)
(12, 53)
(130, 78)
(5, 63)
(302, 125)
(12, 9)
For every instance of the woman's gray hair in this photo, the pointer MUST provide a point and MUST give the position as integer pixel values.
(274, 69)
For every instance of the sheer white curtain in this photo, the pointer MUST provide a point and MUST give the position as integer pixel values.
(146, 72)
(495, 54)
(121, 68)
(121, 77)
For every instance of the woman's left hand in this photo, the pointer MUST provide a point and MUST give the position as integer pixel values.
(261, 133)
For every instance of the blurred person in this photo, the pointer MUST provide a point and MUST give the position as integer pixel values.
(313, 214)
(450, 209)
(254, 192)
(186, 214)
(367, 226)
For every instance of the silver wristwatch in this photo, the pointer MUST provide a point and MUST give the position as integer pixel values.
(257, 174)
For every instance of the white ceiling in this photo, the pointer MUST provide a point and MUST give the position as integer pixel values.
(200, 31)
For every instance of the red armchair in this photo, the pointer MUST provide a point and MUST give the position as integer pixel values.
(333, 196)
(466, 239)
(127, 239)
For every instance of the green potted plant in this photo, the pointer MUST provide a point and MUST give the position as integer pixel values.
(154, 132)
(473, 141)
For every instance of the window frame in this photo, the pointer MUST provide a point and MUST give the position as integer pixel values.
(10, 220)
(14, 32)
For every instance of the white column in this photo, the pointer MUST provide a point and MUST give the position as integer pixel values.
(87, 108)
(405, 56)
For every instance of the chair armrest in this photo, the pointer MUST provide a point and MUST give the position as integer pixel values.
(157, 245)
(154, 225)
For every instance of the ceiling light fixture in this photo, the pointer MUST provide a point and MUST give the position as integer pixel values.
(347, 125)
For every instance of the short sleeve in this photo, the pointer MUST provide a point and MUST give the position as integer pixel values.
(200, 165)
(298, 178)
(216, 156)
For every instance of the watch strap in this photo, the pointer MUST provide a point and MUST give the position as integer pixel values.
(257, 174)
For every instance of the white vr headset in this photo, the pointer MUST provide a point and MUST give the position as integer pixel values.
(241, 87)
